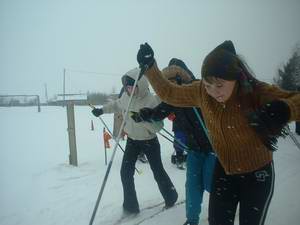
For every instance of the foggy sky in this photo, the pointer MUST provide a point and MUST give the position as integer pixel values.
(39, 39)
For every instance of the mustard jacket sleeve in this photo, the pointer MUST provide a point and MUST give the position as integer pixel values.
(177, 95)
(269, 93)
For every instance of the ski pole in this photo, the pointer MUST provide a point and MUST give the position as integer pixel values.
(181, 145)
(204, 128)
(292, 136)
(166, 137)
(116, 145)
(203, 125)
(184, 148)
(165, 130)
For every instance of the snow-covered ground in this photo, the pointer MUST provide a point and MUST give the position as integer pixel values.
(38, 186)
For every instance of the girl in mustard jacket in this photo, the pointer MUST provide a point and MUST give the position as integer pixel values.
(244, 117)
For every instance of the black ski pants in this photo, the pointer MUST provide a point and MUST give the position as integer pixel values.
(297, 127)
(252, 191)
(152, 150)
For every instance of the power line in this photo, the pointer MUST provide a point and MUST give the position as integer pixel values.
(91, 72)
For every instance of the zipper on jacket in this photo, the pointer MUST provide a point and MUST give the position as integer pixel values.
(222, 131)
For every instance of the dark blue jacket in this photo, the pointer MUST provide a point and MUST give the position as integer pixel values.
(186, 121)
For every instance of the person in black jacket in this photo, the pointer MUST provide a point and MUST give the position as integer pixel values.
(297, 130)
(200, 156)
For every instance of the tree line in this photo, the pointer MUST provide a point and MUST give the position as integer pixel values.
(288, 77)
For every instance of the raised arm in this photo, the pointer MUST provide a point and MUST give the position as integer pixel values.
(177, 95)
(270, 93)
(113, 106)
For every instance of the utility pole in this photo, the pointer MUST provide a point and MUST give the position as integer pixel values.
(64, 88)
(46, 93)
(38, 103)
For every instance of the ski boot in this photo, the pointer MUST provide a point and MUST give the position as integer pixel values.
(188, 223)
(180, 163)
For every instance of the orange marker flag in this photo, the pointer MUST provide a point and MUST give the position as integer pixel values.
(106, 138)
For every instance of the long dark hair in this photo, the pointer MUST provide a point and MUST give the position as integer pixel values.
(228, 66)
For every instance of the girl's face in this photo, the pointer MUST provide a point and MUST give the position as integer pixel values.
(219, 89)
(130, 88)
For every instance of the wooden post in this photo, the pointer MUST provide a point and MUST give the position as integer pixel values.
(38, 103)
(72, 137)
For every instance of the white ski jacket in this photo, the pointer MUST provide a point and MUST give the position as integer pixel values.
(143, 98)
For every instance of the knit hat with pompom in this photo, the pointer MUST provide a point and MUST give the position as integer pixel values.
(221, 62)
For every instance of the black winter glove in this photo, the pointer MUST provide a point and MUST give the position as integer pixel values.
(269, 121)
(272, 116)
(143, 115)
(145, 56)
(136, 117)
(97, 112)
(146, 114)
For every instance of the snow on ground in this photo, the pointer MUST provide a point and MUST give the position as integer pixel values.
(38, 186)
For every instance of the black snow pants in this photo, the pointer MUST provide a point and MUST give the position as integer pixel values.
(252, 191)
(297, 127)
(152, 150)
